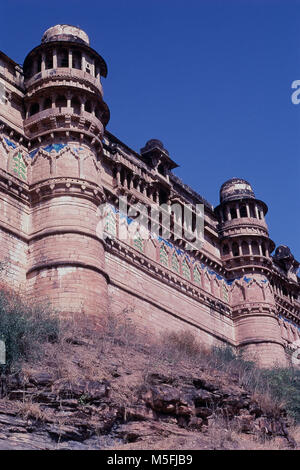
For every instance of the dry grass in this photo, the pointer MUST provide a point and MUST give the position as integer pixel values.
(114, 349)
(91, 349)
(29, 410)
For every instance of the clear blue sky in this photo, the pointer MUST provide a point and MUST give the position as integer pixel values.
(211, 79)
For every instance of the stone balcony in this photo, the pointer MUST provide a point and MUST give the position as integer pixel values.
(246, 261)
(53, 119)
(288, 308)
(249, 225)
(64, 73)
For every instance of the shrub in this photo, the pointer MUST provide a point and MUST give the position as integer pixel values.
(179, 345)
(273, 387)
(284, 385)
(24, 328)
(277, 385)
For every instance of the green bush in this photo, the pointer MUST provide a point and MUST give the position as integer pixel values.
(284, 385)
(280, 385)
(24, 328)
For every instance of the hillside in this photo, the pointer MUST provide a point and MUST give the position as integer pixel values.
(83, 384)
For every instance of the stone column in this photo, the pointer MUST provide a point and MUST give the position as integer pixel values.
(83, 62)
(98, 74)
(54, 59)
(68, 100)
(125, 180)
(267, 251)
(145, 189)
(70, 58)
(221, 216)
(157, 196)
(43, 66)
(131, 183)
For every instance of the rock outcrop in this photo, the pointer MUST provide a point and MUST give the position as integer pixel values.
(39, 412)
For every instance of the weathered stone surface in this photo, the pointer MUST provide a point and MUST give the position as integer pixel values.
(83, 415)
(90, 390)
(41, 379)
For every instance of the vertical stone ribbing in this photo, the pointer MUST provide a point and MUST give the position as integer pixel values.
(65, 119)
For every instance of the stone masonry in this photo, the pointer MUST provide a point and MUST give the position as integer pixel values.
(58, 165)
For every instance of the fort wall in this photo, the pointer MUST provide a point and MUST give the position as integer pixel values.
(59, 166)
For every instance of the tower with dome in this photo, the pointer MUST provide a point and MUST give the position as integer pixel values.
(59, 165)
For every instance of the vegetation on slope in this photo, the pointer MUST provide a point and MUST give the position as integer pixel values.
(24, 328)
(76, 351)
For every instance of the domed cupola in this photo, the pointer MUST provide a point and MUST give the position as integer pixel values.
(236, 188)
(64, 95)
(65, 32)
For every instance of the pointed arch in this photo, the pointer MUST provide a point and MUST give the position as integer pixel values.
(186, 271)
(225, 292)
(206, 281)
(110, 223)
(163, 255)
(151, 248)
(175, 264)
(238, 292)
(197, 275)
(16, 164)
(137, 241)
(216, 287)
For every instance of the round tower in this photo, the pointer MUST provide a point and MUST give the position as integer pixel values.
(245, 251)
(64, 122)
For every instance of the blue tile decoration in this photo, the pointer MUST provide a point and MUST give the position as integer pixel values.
(56, 147)
(289, 321)
(76, 149)
(10, 143)
(33, 153)
(181, 253)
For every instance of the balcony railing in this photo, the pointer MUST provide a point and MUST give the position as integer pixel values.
(77, 121)
(64, 72)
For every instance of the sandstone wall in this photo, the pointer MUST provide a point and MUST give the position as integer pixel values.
(160, 307)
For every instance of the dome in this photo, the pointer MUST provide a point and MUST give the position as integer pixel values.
(234, 189)
(283, 252)
(65, 32)
(152, 144)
